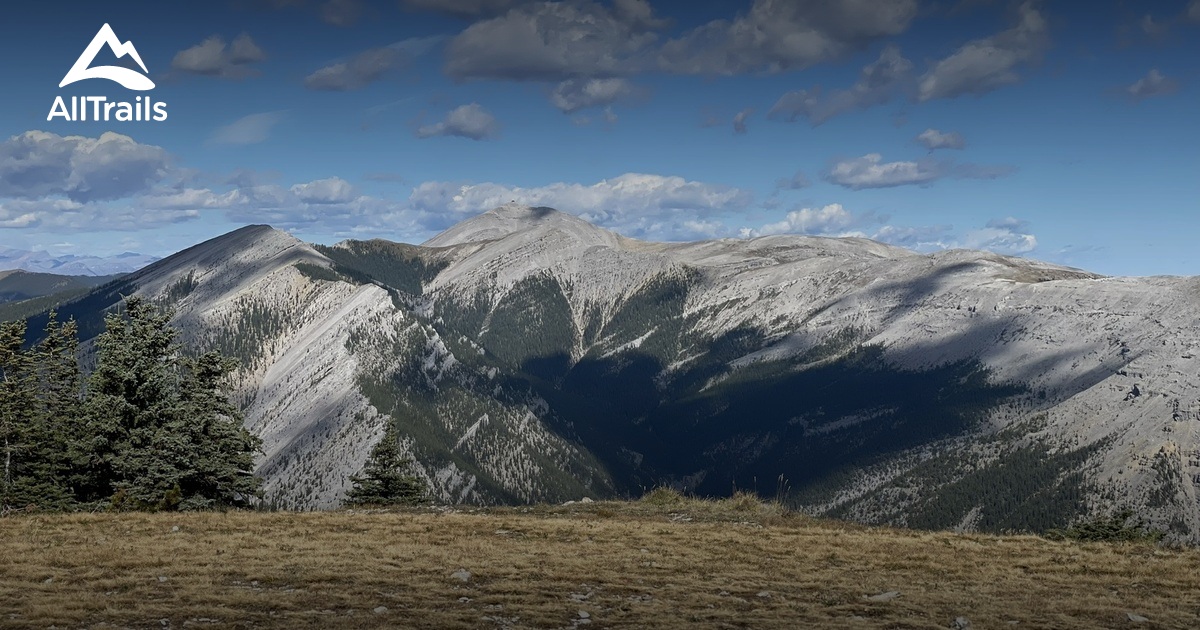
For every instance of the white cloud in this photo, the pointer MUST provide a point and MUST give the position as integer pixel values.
(878, 83)
(1004, 236)
(933, 139)
(573, 95)
(251, 129)
(213, 57)
(325, 191)
(550, 41)
(468, 121)
(39, 163)
(781, 35)
(1154, 83)
(983, 65)
(870, 171)
(830, 219)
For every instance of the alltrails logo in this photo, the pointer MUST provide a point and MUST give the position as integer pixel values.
(99, 107)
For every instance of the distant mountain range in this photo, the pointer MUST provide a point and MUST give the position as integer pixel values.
(530, 356)
(72, 265)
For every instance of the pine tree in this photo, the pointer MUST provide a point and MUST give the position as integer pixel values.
(39, 410)
(385, 479)
(16, 415)
(161, 433)
(57, 419)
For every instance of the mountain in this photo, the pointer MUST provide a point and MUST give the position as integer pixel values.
(530, 356)
(17, 284)
(72, 265)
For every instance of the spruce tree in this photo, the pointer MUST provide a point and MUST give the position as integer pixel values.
(16, 416)
(161, 433)
(39, 410)
(385, 479)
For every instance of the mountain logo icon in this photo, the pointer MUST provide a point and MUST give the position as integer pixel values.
(130, 79)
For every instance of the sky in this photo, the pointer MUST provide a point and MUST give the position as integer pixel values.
(1057, 130)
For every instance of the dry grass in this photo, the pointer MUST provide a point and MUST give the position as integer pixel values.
(663, 562)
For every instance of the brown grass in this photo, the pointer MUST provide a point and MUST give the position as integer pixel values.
(663, 562)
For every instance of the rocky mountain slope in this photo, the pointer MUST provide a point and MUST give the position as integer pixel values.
(529, 355)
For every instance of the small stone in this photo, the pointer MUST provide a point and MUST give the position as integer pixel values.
(569, 503)
(723, 594)
(464, 600)
(162, 578)
(164, 622)
(882, 597)
(1136, 618)
(764, 594)
(254, 583)
(583, 614)
(175, 528)
(586, 500)
(960, 623)
(462, 575)
(47, 580)
(379, 610)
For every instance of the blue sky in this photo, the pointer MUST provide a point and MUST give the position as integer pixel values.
(1056, 130)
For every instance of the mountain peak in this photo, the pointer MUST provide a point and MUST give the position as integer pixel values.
(512, 218)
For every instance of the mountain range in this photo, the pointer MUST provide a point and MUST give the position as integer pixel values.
(71, 264)
(527, 355)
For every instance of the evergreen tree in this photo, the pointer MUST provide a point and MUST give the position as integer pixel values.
(16, 415)
(55, 422)
(161, 433)
(38, 415)
(385, 479)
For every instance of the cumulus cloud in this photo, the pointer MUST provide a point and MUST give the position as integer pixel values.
(573, 95)
(251, 129)
(550, 41)
(933, 139)
(1003, 236)
(358, 72)
(641, 205)
(468, 121)
(325, 191)
(39, 164)
(830, 219)
(1154, 83)
(781, 35)
(739, 120)
(870, 171)
(878, 83)
(983, 65)
(65, 215)
(214, 58)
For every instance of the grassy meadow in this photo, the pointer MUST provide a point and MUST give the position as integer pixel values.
(664, 561)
